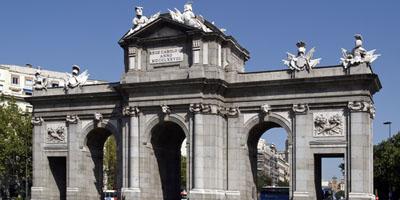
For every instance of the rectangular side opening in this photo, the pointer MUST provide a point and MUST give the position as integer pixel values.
(329, 176)
(59, 177)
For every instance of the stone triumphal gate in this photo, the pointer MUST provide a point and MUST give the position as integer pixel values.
(185, 80)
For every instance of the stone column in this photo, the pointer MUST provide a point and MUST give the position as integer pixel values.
(303, 166)
(209, 151)
(234, 152)
(361, 151)
(38, 160)
(74, 175)
(132, 191)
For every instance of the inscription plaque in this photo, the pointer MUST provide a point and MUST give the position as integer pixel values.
(159, 56)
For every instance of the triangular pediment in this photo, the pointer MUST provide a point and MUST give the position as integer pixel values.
(160, 28)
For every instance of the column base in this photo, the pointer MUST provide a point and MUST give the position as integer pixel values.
(130, 193)
(301, 196)
(72, 193)
(232, 195)
(37, 193)
(203, 194)
(361, 196)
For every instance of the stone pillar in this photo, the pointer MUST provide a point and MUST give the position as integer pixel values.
(235, 154)
(38, 159)
(132, 190)
(74, 175)
(361, 151)
(209, 152)
(303, 163)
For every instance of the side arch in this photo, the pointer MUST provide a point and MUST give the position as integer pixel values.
(179, 120)
(91, 126)
(271, 117)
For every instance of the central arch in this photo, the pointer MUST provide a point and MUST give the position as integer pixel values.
(166, 140)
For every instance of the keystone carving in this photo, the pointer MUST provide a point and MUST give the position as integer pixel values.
(98, 117)
(362, 106)
(265, 108)
(300, 108)
(328, 124)
(72, 119)
(56, 135)
(130, 111)
(165, 109)
(37, 121)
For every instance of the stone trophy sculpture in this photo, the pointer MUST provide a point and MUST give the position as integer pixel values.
(303, 60)
(39, 82)
(358, 54)
(75, 79)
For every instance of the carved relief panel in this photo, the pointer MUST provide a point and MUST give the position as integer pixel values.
(56, 134)
(328, 124)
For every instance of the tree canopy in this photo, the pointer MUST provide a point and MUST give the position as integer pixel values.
(15, 149)
(387, 166)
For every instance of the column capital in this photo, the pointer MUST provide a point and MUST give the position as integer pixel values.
(132, 111)
(300, 108)
(37, 121)
(72, 119)
(362, 106)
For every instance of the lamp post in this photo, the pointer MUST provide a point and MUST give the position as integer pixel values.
(390, 127)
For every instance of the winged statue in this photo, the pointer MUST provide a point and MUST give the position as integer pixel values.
(358, 54)
(75, 79)
(303, 60)
(40, 82)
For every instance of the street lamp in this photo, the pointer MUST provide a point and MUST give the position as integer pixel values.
(390, 127)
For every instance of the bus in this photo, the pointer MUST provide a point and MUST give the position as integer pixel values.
(110, 195)
(274, 193)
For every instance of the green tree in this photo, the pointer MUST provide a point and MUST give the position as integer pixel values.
(263, 180)
(15, 149)
(110, 162)
(183, 172)
(387, 166)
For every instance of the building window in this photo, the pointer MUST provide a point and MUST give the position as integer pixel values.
(28, 81)
(15, 80)
(55, 84)
(1, 88)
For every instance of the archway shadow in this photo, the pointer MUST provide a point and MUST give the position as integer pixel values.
(166, 139)
(95, 143)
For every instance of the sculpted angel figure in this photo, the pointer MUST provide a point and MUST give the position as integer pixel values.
(39, 82)
(75, 79)
(303, 60)
(358, 54)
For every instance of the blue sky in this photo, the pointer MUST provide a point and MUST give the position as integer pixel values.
(56, 34)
